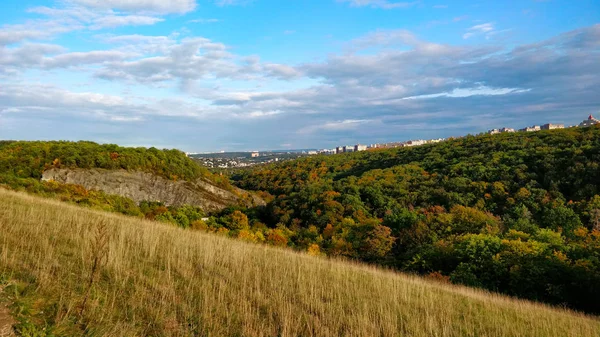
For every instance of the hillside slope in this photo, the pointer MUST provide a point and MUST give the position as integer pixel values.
(156, 280)
(513, 213)
(142, 186)
(139, 174)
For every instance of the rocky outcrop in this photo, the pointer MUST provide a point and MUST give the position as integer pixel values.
(143, 186)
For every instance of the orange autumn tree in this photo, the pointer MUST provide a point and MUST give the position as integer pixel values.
(238, 221)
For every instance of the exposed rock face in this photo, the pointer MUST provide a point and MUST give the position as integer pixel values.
(142, 186)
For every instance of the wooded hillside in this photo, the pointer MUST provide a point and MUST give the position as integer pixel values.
(29, 159)
(515, 213)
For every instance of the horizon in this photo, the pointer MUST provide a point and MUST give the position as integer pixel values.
(235, 76)
(277, 150)
(517, 129)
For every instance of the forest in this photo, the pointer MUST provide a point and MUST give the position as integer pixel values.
(24, 159)
(22, 164)
(512, 213)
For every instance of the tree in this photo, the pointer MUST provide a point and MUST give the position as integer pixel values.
(378, 242)
(276, 237)
(561, 218)
(471, 220)
(238, 221)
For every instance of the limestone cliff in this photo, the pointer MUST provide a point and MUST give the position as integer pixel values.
(140, 186)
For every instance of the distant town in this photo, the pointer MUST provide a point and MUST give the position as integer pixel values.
(586, 123)
(226, 160)
(343, 149)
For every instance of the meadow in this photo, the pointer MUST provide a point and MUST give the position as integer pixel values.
(71, 271)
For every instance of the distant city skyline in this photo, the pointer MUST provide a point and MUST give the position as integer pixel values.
(590, 121)
(242, 75)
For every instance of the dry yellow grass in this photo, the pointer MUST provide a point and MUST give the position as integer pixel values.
(163, 281)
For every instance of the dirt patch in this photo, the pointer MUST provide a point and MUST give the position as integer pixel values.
(6, 321)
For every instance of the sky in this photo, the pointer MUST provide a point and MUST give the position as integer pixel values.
(244, 75)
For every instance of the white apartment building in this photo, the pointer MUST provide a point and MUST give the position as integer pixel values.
(591, 121)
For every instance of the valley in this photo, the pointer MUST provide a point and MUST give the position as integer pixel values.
(510, 214)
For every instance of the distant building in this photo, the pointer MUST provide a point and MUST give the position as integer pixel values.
(493, 131)
(255, 154)
(358, 148)
(531, 128)
(415, 143)
(503, 130)
(312, 153)
(591, 121)
(552, 126)
(348, 148)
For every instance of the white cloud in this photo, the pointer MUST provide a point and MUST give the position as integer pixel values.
(59, 20)
(149, 59)
(28, 55)
(281, 71)
(151, 6)
(124, 118)
(36, 30)
(233, 2)
(398, 89)
(259, 114)
(204, 21)
(50, 98)
(113, 21)
(140, 44)
(84, 58)
(49, 56)
(482, 29)
(384, 4)
(386, 85)
(468, 92)
(11, 34)
(393, 38)
(342, 125)
(188, 60)
(34, 98)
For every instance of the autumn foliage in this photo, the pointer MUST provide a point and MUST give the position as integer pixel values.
(515, 213)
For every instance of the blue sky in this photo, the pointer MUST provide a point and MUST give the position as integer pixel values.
(211, 75)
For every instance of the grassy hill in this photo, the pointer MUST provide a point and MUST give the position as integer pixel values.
(70, 271)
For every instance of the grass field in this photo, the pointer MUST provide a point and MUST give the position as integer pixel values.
(74, 271)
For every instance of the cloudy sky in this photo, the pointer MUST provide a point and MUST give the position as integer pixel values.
(211, 75)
